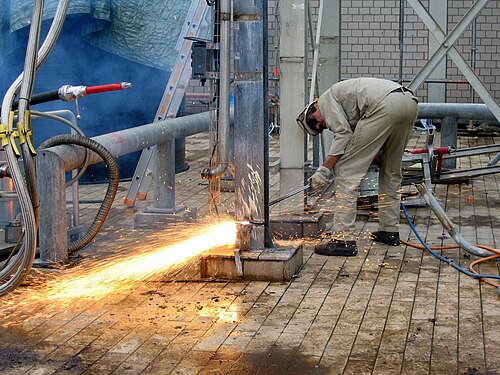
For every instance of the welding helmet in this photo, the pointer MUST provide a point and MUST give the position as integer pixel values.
(307, 124)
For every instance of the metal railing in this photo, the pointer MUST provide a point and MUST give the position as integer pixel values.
(52, 163)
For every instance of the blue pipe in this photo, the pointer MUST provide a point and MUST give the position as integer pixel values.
(449, 261)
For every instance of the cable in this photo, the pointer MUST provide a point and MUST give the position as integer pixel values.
(112, 165)
(472, 272)
(39, 98)
(15, 271)
(19, 262)
(471, 266)
(78, 130)
(450, 247)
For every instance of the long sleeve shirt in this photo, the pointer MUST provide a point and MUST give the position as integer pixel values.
(346, 102)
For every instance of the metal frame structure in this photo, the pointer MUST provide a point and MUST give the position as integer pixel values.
(447, 48)
(326, 51)
(435, 163)
(250, 141)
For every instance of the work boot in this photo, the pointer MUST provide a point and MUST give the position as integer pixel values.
(389, 238)
(337, 248)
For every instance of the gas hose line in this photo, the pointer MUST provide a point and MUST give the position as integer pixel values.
(111, 163)
(471, 272)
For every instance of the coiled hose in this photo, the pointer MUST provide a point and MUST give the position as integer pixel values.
(113, 171)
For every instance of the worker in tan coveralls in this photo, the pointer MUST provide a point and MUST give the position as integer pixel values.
(369, 117)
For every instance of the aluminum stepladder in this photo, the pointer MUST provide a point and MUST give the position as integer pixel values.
(172, 96)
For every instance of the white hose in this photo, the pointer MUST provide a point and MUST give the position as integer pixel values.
(19, 265)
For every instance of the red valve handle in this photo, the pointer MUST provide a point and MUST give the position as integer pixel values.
(437, 151)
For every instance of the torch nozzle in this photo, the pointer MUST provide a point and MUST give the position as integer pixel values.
(68, 92)
(126, 85)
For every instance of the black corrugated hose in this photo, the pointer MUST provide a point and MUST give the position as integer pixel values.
(111, 163)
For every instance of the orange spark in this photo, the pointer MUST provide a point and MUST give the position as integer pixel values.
(121, 273)
(92, 281)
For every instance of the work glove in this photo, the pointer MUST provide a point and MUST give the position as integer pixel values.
(320, 178)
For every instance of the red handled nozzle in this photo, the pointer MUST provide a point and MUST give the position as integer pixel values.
(68, 92)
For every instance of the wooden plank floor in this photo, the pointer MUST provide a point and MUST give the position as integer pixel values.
(389, 310)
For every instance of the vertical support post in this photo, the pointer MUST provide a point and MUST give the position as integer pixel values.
(225, 139)
(436, 92)
(449, 138)
(329, 58)
(292, 93)
(164, 173)
(401, 39)
(251, 119)
(53, 226)
(180, 155)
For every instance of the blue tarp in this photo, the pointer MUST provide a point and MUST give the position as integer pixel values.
(145, 32)
(102, 41)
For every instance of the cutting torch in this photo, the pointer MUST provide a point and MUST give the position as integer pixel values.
(291, 194)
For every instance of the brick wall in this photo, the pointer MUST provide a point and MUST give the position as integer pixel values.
(370, 44)
(488, 49)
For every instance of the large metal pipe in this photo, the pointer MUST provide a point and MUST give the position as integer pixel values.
(449, 114)
(134, 139)
(457, 110)
(53, 241)
(164, 172)
(292, 85)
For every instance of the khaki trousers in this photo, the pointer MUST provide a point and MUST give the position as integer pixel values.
(387, 129)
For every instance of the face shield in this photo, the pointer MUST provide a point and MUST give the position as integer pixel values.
(307, 124)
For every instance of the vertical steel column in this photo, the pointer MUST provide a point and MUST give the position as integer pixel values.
(251, 120)
(449, 125)
(436, 92)
(53, 242)
(225, 139)
(292, 92)
(329, 58)
(164, 176)
(401, 39)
